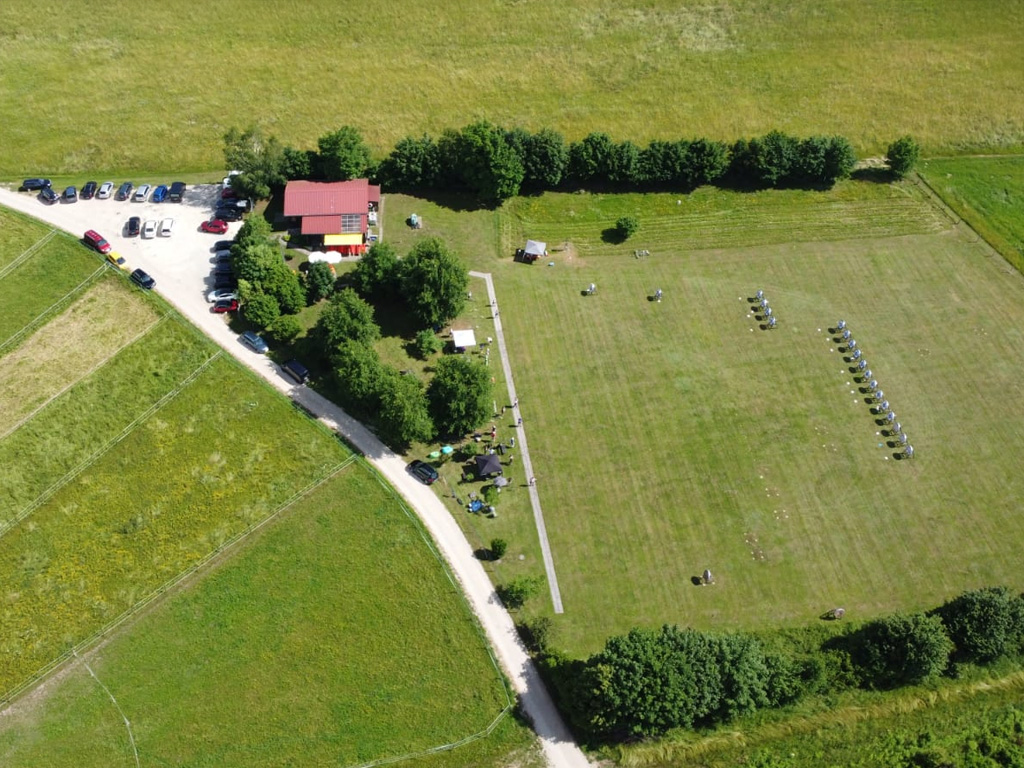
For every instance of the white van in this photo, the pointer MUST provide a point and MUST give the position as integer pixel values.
(166, 227)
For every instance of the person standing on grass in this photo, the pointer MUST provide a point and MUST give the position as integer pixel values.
(511, 458)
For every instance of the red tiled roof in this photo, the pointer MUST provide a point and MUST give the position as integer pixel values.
(319, 198)
(321, 225)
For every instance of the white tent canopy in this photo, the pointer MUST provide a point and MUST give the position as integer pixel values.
(332, 257)
(536, 248)
(463, 339)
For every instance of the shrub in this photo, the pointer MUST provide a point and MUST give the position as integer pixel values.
(498, 548)
(903, 650)
(984, 624)
(261, 310)
(902, 156)
(626, 227)
(515, 593)
(426, 343)
(285, 329)
(319, 281)
(490, 494)
(536, 634)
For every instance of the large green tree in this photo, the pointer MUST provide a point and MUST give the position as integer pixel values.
(320, 281)
(902, 650)
(484, 160)
(403, 417)
(357, 369)
(902, 156)
(377, 273)
(343, 155)
(260, 309)
(984, 624)
(347, 317)
(592, 159)
(259, 158)
(460, 394)
(412, 165)
(433, 282)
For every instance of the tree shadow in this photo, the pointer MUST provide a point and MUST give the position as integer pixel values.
(873, 175)
(612, 236)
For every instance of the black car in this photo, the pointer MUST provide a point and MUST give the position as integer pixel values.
(48, 196)
(423, 472)
(223, 269)
(296, 370)
(229, 214)
(143, 280)
(89, 190)
(124, 191)
(134, 225)
(70, 195)
(225, 282)
(242, 205)
(177, 193)
(222, 245)
(222, 257)
(31, 185)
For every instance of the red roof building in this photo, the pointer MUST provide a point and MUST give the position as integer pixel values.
(331, 208)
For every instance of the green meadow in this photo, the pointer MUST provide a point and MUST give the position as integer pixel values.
(92, 87)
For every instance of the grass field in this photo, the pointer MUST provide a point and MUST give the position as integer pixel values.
(988, 192)
(79, 96)
(671, 437)
(333, 638)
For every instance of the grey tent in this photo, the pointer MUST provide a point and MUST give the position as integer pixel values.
(536, 248)
(501, 482)
(488, 465)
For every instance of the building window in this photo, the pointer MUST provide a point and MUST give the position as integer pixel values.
(351, 222)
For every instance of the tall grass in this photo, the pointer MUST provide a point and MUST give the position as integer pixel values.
(79, 99)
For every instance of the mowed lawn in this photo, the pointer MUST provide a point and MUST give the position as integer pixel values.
(78, 99)
(335, 637)
(676, 436)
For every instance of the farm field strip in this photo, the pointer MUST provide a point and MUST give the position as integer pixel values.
(207, 465)
(341, 668)
(6, 525)
(71, 347)
(50, 310)
(28, 252)
(95, 410)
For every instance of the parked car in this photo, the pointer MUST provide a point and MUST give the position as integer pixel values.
(227, 193)
(225, 305)
(143, 280)
(141, 193)
(117, 260)
(214, 226)
(225, 283)
(243, 205)
(70, 195)
(226, 184)
(223, 269)
(124, 191)
(95, 240)
(89, 190)
(134, 225)
(160, 193)
(423, 472)
(166, 227)
(220, 257)
(255, 343)
(48, 196)
(296, 370)
(31, 185)
(149, 229)
(228, 214)
(223, 245)
(105, 189)
(177, 193)
(213, 296)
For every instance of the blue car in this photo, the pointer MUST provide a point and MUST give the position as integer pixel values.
(159, 194)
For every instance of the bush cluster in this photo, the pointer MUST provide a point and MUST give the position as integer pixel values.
(647, 682)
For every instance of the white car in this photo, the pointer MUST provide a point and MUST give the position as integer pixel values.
(106, 190)
(226, 183)
(141, 193)
(220, 295)
(149, 229)
(166, 227)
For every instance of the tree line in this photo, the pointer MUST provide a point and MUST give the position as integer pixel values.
(492, 164)
(648, 682)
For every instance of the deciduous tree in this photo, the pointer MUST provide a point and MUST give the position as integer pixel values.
(433, 282)
(347, 317)
(320, 281)
(903, 649)
(377, 273)
(902, 156)
(460, 394)
(342, 154)
(403, 417)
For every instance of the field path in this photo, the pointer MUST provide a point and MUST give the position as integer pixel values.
(177, 283)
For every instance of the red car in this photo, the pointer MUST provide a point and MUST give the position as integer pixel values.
(225, 305)
(214, 226)
(95, 239)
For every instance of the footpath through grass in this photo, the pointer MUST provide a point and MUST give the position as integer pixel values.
(335, 637)
(948, 73)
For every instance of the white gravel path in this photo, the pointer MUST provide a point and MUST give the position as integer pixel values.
(180, 265)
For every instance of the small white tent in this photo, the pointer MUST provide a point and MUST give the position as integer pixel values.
(536, 248)
(463, 339)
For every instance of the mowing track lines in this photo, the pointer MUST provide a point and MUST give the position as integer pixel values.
(7, 525)
(145, 332)
(28, 252)
(32, 324)
(8, 696)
